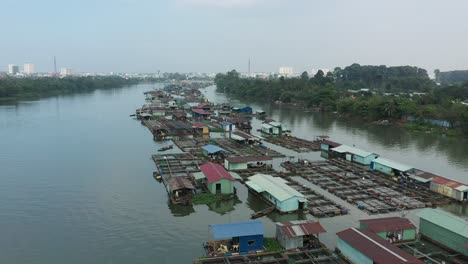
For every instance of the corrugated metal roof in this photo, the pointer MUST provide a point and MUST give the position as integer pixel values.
(235, 175)
(300, 228)
(462, 188)
(352, 150)
(200, 111)
(198, 175)
(248, 159)
(240, 229)
(330, 143)
(275, 186)
(267, 126)
(213, 149)
(446, 220)
(215, 172)
(387, 224)
(179, 183)
(447, 182)
(254, 186)
(244, 134)
(392, 164)
(379, 250)
(275, 124)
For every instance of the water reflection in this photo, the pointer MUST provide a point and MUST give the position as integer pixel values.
(223, 207)
(179, 210)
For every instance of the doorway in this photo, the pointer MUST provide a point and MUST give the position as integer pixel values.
(218, 188)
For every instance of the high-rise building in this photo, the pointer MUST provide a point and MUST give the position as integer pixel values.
(66, 71)
(286, 71)
(13, 69)
(29, 68)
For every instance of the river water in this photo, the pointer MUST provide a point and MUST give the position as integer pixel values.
(77, 183)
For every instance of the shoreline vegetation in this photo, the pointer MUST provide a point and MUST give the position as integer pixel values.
(14, 89)
(402, 95)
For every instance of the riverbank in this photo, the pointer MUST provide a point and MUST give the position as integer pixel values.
(16, 89)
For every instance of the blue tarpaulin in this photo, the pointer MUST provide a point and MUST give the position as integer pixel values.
(240, 229)
(213, 149)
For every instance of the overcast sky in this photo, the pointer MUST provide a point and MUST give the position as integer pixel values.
(219, 35)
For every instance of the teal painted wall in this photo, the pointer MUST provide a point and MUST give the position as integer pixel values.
(235, 166)
(324, 147)
(408, 234)
(352, 254)
(227, 186)
(448, 238)
(383, 168)
(290, 205)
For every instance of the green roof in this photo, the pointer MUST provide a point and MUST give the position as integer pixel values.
(446, 220)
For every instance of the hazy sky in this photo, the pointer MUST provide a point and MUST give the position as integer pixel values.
(219, 35)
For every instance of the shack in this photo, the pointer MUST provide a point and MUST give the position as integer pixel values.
(214, 152)
(277, 192)
(243, 137)
(180, 190)
(393, 229)
(449, 188)
(243, 163)
(389, 167)
(200, 113)
(241, 237)
(326, 145)
(241, 123)
(420, 177)
(361, 246)
(227, 127)
(444, 229)
(201, 128)
(219, 181)
(299, 234)
(353, 154)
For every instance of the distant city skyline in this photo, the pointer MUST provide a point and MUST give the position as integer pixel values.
(221, 35)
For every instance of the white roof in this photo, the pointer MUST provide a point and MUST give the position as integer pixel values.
(275, 186)
(352, 150)
(267, 126)
(392, 164)
(462, 188)
(275, 124)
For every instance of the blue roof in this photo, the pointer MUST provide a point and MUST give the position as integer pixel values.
(213, 149)
(225, 123)
(240, 229)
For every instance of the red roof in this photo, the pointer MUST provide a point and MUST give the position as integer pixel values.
(247, 159)
(200, 111)
(203, 105)
(215, 172)
(446, 182)
(300, 228)
(388, 224)
(379, 250)
(198, 124)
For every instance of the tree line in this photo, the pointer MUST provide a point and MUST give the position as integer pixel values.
(371, 92)
(18, 88)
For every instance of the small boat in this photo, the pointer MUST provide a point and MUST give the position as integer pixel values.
(133, 115)
(165, 148)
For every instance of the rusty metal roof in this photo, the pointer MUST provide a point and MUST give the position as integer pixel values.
(179, 183)
(377, 225)
(379, 250)
(248, 159)
(300, 228)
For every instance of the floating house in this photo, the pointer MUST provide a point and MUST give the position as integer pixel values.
(299, 234)
(243, 137)
(326, 145)
(420, 177)
(353, 154)
(444, 229)
(214, 152)
(227, 127)
(201, 128)
(241, 123)
(219, 181)
(272, 128)
(393, 229)
(243, 163)
(242, 237)
(449, 188)
(200, 113)
(277, 192)
(180, 189)
(389, 167)
(360, 246)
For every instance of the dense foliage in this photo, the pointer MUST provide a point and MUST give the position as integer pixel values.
(451, 77)
(16, 88)
(334, 92)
